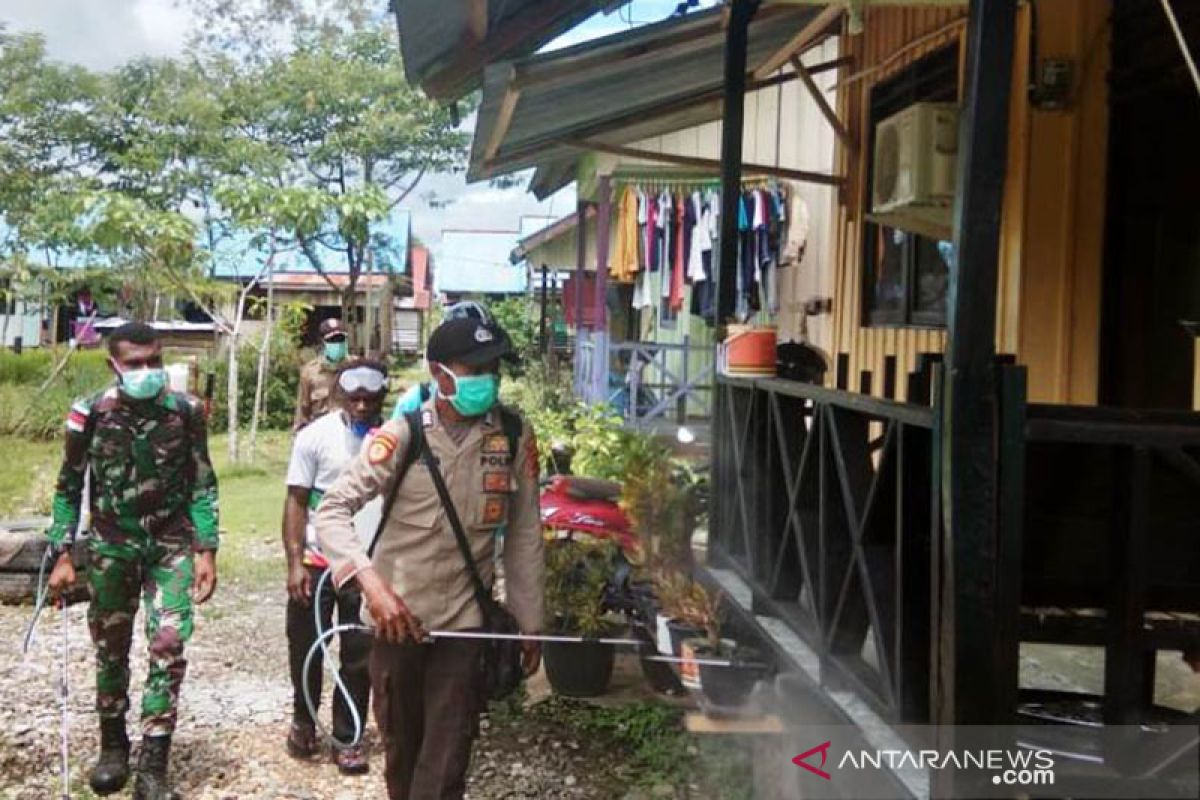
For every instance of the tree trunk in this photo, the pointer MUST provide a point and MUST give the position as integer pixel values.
(232, 389)
(369, 311)
(4, 330)
(264, 360)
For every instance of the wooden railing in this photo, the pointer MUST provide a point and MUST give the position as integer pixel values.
(823, 504)
(828, 504)
(639, 379)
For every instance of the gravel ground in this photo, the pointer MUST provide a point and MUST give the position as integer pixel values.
(234, 714)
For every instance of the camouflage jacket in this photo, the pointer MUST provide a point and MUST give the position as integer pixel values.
(151, 474)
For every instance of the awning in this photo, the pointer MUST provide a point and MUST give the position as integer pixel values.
(622, 88)
(446, 43)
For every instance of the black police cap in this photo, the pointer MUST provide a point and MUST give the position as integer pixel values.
(467, 341)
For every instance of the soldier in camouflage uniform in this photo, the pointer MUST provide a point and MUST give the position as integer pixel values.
(153, 501)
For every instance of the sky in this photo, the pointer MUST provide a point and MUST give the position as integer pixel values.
(101, 34)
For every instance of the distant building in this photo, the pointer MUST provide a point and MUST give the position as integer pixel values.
(473, 262)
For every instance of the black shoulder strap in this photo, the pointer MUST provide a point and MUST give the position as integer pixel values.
(512, 426)
(482, 595)
(416, 443)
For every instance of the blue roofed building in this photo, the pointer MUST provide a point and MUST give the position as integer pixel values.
(476, 262)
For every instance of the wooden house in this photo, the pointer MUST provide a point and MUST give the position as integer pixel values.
(1006, 450)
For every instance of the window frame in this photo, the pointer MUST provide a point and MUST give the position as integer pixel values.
(926, 79)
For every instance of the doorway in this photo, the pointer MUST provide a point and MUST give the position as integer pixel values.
(1152, 234)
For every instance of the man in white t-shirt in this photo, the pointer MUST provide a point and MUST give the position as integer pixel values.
(321, 451)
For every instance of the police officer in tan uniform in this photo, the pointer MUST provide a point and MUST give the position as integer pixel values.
(428, 695)
(315, 396)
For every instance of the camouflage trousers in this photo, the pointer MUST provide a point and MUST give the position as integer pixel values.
(161, 576)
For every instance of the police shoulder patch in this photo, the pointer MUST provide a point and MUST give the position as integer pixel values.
(383, 446)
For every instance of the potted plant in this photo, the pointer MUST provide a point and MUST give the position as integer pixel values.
(576, 575)
(682, 606)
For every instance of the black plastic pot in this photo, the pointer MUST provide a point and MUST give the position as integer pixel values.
(728, 686)
(681, 631)
(578, 670)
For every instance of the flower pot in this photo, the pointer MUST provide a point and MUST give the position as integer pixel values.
(578, 669)
(691, 649)
(728, 686)
(662, 632)
(681, 631)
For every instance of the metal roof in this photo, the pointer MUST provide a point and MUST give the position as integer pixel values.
(621, 88)
(478, 262)
(445, 44)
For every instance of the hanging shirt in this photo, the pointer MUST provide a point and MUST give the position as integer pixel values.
(795, 239)
(701, 239)
(625, 256)
(651, 233)
(665, 227)
(641, 227)
(677, 269)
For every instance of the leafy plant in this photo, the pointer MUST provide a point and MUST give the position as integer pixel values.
(661, 499)
(653, 734)
(519, 317)
(576, 575)
(279, 391)
(684, 599)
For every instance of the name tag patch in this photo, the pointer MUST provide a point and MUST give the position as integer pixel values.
(495, 482)
(494, 509)
(495, 443)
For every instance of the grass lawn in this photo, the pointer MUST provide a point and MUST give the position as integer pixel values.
(251, 499)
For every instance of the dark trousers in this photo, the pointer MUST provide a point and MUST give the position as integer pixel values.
(354, 649)
(427, 703)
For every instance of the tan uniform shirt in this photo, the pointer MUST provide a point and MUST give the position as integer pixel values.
(417, 555)
(315, 396)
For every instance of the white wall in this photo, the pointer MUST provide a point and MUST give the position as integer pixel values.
(25, 323)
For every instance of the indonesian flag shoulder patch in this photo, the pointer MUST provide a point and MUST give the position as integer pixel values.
(78, 417)
(383, 446)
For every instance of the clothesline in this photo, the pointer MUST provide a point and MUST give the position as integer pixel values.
(667, 243)
(660, 182)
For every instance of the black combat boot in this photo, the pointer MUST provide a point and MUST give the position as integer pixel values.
(151, 783)
(112, 767)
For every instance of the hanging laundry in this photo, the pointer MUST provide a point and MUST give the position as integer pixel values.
(624, 264)
(666, 227)
(677, 263)
(795, 238)
(651, 233)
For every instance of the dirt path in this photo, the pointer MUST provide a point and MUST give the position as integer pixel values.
(233, 717)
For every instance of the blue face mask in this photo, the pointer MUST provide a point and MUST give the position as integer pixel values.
(474, 395)
(143, 384)
(360, 429)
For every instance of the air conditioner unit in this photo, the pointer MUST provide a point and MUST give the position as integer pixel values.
(914, 175)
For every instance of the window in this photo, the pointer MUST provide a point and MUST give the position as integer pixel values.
(906, 276)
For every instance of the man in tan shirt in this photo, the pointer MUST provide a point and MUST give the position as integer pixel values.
(427, 696)
(315, 395)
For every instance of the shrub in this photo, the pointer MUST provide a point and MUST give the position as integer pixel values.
(85, 373)
(279, 389)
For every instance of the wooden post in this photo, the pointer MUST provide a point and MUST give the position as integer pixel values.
(580, 271)
(599, 300)
(969, 604)
(741, 12)
(542, 318)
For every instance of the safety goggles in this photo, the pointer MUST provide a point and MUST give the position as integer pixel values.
(468, 309)
(362, 379)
